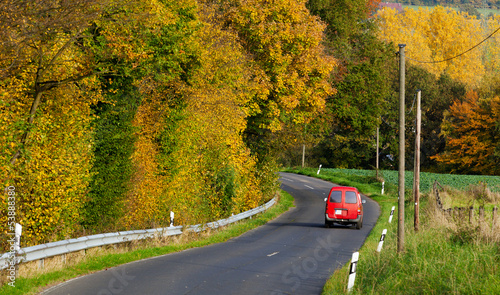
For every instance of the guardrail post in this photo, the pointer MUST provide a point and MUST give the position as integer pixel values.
(352, 271)
(392, 213)
(41, 263)
(381, 242)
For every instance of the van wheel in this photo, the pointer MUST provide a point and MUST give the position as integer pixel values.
(359, 224)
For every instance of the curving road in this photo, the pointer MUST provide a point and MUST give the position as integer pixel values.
(293, 254)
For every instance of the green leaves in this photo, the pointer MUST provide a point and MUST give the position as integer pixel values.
(361, 81)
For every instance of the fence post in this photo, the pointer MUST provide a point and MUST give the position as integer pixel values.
(493, 224)
(352, 271)
(463, 214)
(438, 198)
(471, 214)
(481, 214)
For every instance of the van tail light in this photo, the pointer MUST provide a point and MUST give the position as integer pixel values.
(359, 210)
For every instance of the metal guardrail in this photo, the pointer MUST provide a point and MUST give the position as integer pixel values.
(72, 245)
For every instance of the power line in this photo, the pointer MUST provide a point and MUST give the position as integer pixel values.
(448, 59)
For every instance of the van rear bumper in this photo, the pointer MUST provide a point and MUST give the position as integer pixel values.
(340, 220)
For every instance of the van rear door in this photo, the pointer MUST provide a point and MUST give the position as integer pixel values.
(334, 201)
(351, 205)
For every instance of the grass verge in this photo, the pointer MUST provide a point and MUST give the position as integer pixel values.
(33, 281)
(445, 256)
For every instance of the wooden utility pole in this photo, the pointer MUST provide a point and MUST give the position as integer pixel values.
(401, 173)
(303, 154)
(416, 174)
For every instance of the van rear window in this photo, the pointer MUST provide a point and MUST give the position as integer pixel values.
(350, 197)
(336, 197)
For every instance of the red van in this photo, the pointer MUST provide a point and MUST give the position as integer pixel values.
(344, 206)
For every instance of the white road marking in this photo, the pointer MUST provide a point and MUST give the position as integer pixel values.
(272, 254)
(308, 186)
(287, 179)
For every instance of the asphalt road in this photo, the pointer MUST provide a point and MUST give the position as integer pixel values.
(293, 254)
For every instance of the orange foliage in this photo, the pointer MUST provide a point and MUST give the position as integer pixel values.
(472, 136)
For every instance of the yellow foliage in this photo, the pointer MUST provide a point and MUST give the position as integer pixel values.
(190, 156)
(437, 34)
(209, 153)
(286, 41)
(51, 180)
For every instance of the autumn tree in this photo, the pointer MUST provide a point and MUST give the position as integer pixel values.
(145, 55)
(491, 81)
(41, 40)
(285, 40)
(471, 130)
(438, 42)
(438, 37)
(47, 87)
(50, 71)
(189, 155)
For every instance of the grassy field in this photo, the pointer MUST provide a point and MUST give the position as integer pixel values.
(32, 280)
(446, 256)
(459, 182)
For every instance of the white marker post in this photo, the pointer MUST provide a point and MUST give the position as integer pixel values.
(17, 240)
(392, 213)
(172, 218)
(383, 183)
(319, 168)
(382, 237)
(352, 271)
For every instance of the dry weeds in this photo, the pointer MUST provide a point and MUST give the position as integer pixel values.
(466, 222)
